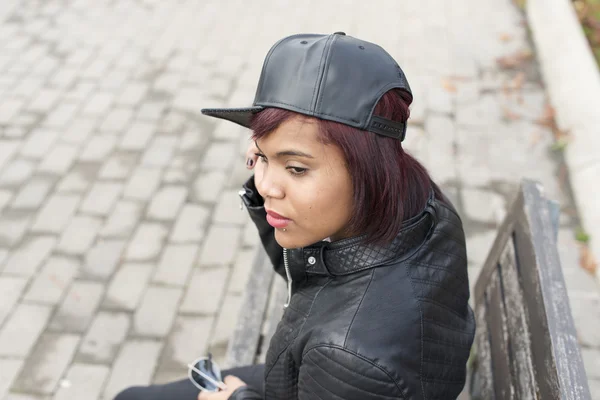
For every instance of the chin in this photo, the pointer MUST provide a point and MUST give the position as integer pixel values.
(288, 241)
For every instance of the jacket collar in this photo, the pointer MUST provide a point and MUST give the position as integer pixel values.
(348, 256)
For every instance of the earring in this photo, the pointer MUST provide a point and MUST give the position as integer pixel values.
(284, 229)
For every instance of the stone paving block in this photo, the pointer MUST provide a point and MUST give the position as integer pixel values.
(147, 242)
(190, 224)
(26, 260)
(5, 198)
(187, 99)
(7, 149)
(59, 159)
(27, 88)
(205, 291)
(193, 141)
(10, 108)
(151, 110)
(52, 282)
(39, 142)
(116, 120)
(225, 325)
(9, 368)
(160, 152)
(241, 271)
(127, 286)
(102, 341)
(586, 314)
(250, 235)
(483, 113)
(167, 202)
(80, 91)
(133, 367)
(188, 342)
(115, 79)
(132, 93)
(61, 115)
(85, 382)
(45, 100)
(56, 213)
(47, 363)
(79, 130)
(11, 289)
(78, 307)
(156, 313)
(13, 225)
(175, 264)
(123, 219)
(32, 194)
(78, 180)
(220, 246)
(17, 172)
(98, 104)
(591, 360)
(101, 261)
(98, 148)
(228, 209)
(219, 156)
(439, 99)
(143, 183)
(118, 166)
(483, 205)
(101, 198)
(22, 329)
(478, 246)
(64, 78)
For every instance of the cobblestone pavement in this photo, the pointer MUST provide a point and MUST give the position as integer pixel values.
(123, 252)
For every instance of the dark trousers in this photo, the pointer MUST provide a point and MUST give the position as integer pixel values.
(253, 375)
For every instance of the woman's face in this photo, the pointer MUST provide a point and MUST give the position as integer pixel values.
(304, 181)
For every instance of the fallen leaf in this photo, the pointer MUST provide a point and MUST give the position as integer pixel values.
(535, 138)
(587, 260)
(448, 85)
(518, 81)
(514, 60)
(509, 114)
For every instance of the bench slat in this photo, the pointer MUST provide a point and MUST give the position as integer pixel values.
(517, 325)
(498, 329)
(243, 345)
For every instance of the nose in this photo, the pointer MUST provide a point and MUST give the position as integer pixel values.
(267, 184)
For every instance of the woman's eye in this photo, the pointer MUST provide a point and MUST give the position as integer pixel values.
(297, 170)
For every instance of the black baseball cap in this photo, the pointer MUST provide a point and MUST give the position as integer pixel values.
(333, 77)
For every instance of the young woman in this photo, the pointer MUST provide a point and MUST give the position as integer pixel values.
(373, 253)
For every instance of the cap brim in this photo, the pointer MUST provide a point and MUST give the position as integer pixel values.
(240, 116)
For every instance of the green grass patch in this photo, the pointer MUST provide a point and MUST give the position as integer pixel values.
(582, 236)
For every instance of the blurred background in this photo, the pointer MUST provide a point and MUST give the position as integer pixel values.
(123, 250)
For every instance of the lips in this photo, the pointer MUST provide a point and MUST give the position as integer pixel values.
(276, 220)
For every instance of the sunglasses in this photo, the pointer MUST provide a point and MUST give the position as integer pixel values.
(205, 374)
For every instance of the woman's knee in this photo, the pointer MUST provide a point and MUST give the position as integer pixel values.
(131, 393)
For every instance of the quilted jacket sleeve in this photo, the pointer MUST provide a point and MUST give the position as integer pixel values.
(255, 205)
(332, 373)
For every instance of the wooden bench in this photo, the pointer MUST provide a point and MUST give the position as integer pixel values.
(525, 345)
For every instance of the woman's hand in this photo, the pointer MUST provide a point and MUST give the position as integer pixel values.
(232, 383)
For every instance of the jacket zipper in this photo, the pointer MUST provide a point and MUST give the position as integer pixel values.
(289, 278)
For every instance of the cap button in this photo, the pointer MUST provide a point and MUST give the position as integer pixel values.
(340, 33)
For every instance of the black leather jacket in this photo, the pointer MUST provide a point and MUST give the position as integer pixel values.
(370, 322)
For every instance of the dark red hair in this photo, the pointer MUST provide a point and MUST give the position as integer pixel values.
(390, 186)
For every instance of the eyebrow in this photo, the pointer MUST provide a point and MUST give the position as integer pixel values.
(288, 153)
